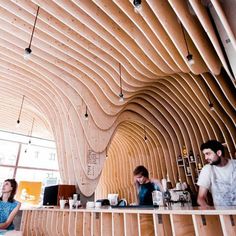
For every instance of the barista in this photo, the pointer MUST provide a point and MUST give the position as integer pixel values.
(145, 186)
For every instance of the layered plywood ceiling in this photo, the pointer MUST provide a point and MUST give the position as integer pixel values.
(77, 48)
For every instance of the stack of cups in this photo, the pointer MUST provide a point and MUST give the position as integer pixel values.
(73, 201)
(75, 197)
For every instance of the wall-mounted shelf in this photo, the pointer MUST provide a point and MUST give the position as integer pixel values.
(189, 166)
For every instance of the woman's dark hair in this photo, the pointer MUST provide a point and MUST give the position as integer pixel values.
(14, 188)
(141, 170)
(214, 146)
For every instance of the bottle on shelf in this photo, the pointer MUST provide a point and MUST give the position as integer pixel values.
(180, 161)
(168, 184)
(187, 166)
(196, 175)
(191, 156)
(199, 162)
(184, 151)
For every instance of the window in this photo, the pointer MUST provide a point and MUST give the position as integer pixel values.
(52, 156)
(8, 152)
(28, 162)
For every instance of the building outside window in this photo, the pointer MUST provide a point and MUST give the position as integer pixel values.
(35, 162)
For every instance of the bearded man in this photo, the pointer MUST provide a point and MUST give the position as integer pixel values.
(218, 176)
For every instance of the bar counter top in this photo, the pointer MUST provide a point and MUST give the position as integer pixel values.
(175, 220)
(183, 210)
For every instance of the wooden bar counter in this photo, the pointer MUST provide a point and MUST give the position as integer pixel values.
(129, 221)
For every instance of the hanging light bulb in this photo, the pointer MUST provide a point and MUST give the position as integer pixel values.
(211, 106)
(18, 120)
(145, 134)
(106, 153)
(27, 54)
(121, 95)
(86, 113)
(18, 123)
(137, 6)
(189, 55)
(30, 136)
(28, 51)
(190, 59)
(210, 103)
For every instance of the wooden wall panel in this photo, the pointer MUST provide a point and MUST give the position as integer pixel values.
(77, 48)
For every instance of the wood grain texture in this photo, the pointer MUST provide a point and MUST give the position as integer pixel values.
(77, 48)
(163, 221)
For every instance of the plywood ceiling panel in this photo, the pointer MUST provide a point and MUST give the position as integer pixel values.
(77, 48)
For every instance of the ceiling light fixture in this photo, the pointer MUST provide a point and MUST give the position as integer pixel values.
(145, 134)
(137, 6)
(210, 104)
(28, 50)
(30, 136)
(106, 153)
(86, 113)
(189, 55)
(18, 120)
(121, 95)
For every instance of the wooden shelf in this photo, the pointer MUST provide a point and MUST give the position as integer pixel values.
(180, 165)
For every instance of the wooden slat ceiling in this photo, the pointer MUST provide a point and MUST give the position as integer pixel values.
(77, 47)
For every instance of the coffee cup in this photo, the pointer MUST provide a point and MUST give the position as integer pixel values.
(90, 205)
(71, 203)
(178, 186)
(62, 203)
(98, 204)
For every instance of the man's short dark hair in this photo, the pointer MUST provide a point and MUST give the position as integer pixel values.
(214, 146)
(141, 170)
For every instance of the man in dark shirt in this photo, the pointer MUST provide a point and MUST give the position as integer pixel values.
(145, 186)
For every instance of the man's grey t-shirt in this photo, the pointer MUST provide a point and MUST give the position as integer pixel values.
(221, 182)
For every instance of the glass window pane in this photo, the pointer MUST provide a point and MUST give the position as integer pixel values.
(5, 173)
(40, 157)
(37, 175)
(8, 152)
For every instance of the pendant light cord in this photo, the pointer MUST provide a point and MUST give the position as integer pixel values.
(21, 107)
(183, 31)
(120, 79)
(34, 27)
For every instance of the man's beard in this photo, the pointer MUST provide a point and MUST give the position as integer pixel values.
(217, 162)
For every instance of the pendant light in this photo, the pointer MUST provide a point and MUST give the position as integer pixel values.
(210, 104)
(86, 113)
(18, 120)
(28, 51)
(145, 134)
(189, 55)
(121, 95)
(30, 136)
(137, 6)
